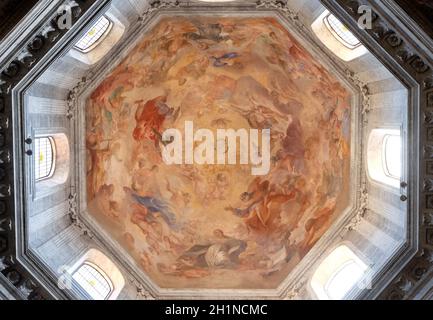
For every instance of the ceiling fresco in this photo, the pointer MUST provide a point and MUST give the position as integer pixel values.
(214, 225)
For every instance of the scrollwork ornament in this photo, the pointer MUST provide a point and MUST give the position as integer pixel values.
(294, 292)
(75, 217)
(284, 9)
(142, 292)
(156, 5)
(71, 102)
(360, 212)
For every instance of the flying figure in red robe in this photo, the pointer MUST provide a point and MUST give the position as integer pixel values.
(150, 116)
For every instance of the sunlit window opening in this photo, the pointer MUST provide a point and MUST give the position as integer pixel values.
(96, 277)
(344, 279)
(384, 156)
(95, 35)
(44, 158)
(337, 37)
(392, 155)
(93, 281)
(341, 32)
(338, 273)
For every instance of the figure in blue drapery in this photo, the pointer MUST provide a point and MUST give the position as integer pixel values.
(154, 206)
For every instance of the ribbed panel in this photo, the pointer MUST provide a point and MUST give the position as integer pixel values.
(67, 236)
(372, 251)
(39, 89)
(392, 115)
(44, 218)
(376, 236)
(124, 11)
(62, 248)
(139, 5)
(38, 237)
(388, 206)
(61, 80)
(393, 99)
(386, 85)
(390, 228)
(66, 65)
(37, 105)
(374, 74)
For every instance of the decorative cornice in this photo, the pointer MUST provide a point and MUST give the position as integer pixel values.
(155, 5)
(72, 97)
(281, 6)
(294, 291)
(410, 57)
(44, 37)
(365, 94)
(75, 217)
(142, 293)
(38, 45)
(360, 212)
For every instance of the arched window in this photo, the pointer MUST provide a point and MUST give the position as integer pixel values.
(96, 277)
(337, 37)
(340, 32)
(391, 156)
(44, 154)
(99, 39)
(384, 156)
(93, 281)
(344, 279)
(95, 35)
(338, 273)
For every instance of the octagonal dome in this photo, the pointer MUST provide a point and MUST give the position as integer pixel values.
(340, 187)
(214, 225)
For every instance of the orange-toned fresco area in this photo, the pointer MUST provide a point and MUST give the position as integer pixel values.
(218, 226)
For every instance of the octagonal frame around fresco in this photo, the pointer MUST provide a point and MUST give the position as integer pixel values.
(402, 52)
(149, 21)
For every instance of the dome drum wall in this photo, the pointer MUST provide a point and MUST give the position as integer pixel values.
(377, 221)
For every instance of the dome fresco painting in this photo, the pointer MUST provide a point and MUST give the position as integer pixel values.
(213, 225)
(222, 150)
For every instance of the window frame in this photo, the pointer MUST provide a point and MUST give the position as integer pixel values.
(104, 276)
(101, 38)
(52, 144)
(336, 34)
(332, 41)
(375, 158)
(336, 273)
(385, 162)
(325, 271)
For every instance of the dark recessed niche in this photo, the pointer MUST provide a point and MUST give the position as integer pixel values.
(11, 12)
